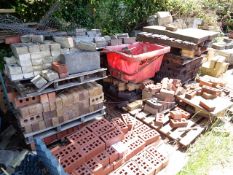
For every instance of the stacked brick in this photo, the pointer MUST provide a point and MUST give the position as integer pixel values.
(185, 58)
(161, 96)
(32, 56)
(122, 90)
(102, 147)
(48, 110)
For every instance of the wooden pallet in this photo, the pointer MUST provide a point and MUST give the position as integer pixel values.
(29, 137)
(27, 89)
(182, 136)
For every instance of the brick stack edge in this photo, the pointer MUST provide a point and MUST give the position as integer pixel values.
(103, 147)
(47, 110)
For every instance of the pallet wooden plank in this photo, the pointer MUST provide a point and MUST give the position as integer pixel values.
(180, 131)
(183, 34)
(193, 134)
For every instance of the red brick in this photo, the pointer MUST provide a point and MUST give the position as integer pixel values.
(69, 157)
(107, 169)
(148, 163)
(141, 129)
(105, 129)
(130, 121)
(52, 97)
(119, 122)
(190, 94)
(82, 170)
(86, 139)
(112, 153)
(118, 163)
(208, 96)
(133, 168)
(135, 147)
(92, 148)
(12, 39)
(150, 136)
(207, 105)
(50, 139)
(185, 114)
(93, 126)
(112, 137)
(79, 133)
(94, 166)
(44, 98)
(176, 114)
(26, 101)
(59, 68)
(31, 119)
(159, 119)
(103, 158)
(178, 123)
(62, 134)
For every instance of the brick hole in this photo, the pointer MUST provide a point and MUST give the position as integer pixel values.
(21, 101)
(27, 99)
(33, 98)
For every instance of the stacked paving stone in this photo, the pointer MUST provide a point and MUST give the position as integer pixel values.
(88, 40)
(53, 109)
(186, 49)
(101, 147)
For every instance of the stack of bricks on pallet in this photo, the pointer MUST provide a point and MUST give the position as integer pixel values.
(32, 56)
(185, 58)
(101, 147)
(122, 86)
(89, 40)
(47, 110)
(163, 93)
(179, 67)
(178, 118)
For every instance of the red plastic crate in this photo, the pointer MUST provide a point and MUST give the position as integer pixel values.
(142, 63)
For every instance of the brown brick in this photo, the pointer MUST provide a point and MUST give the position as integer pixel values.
(46, 107)
(52, 97)
(178, 123)
(207, 105)
(35, 109)
(55, 121)
(44, 98)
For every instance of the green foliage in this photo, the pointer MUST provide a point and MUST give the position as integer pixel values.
(4, 52)
(32, 10)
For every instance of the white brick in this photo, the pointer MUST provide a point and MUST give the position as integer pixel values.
(13, 69)
(28, 75)
(10, 60)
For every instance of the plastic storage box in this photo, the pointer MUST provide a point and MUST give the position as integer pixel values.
(135, 62)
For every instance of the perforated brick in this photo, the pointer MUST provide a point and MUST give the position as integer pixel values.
(82, 170)
(94, 166)
(70, 157)
(178, 123)
(107, 169)
(92, 148)
(79, 133)
(119, 122)
(112, 153)
(176, 114)
(98, 124)
(147, 163)
(141, 129)
(87, 138)
(112, 137)
(185, 114)
(101, 130)
(134, 168)
(159, 119)
(118, 163)
(103, 158)
(130, 121)
(150, 136)
(135, 147)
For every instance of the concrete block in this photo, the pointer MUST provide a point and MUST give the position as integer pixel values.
(55, 47)
(36, 62)
(65, 50)
(33, 47)
(88, 46)
(45, 53)
(28, 75)
(94, 33)
(36, 73)
(55, 53)
(27, 69)
(100, 42)
(46, 66)
(37, 68)
(13, 69)
(26, 38)
(164, 18)
(84, 39)
(80, 31)
(36, 55)
(19, 49)
(122, 35)
(81, 61)
(44, 47)
(37, 38)
(39, 81)
(129, 40)
(66, 42)
(10, 60)
(24, 60)
(48, 59)
(49, 75)
(115, 42)
(16, 77)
